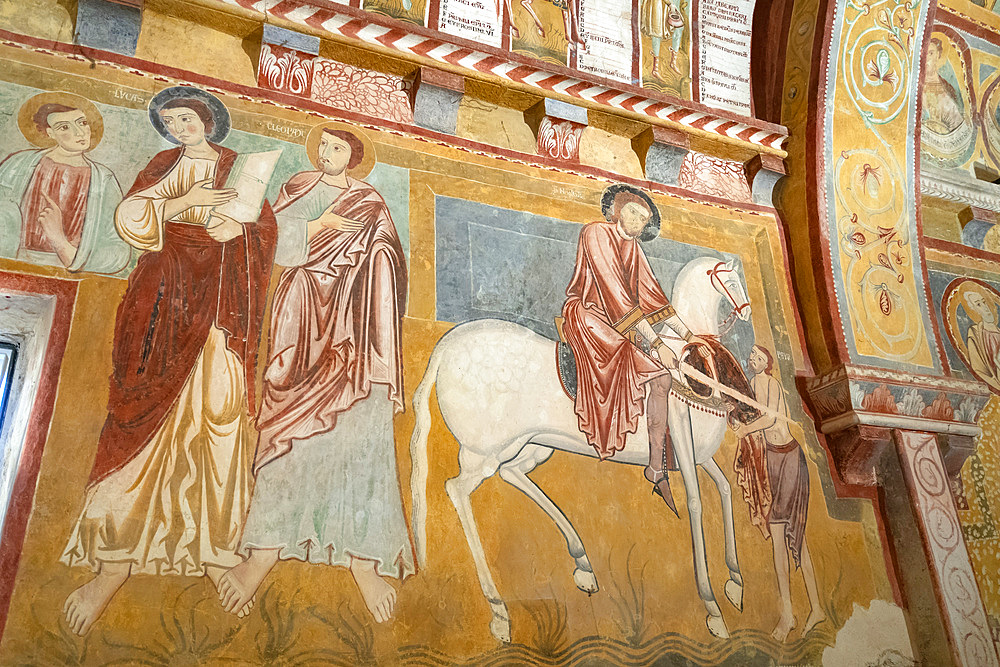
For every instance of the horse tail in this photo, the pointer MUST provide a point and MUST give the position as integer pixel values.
(418, 454)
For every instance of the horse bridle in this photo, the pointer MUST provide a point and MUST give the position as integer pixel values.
(714, 277)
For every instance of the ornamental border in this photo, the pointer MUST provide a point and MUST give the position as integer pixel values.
(312, 15)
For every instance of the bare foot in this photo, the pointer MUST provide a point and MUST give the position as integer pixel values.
(239, 584)
(214, 573)
(815, 618)
(784, 626)
(86, 604)
(379, 596)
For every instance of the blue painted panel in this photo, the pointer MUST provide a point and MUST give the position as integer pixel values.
(107, 25)
(291, 39)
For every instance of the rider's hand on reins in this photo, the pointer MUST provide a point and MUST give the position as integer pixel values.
(704, 349)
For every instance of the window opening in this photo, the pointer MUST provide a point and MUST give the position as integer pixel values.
(8, 358)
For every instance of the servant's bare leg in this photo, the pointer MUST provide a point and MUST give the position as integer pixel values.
(816, 614)
(786, 621)
(86, 604)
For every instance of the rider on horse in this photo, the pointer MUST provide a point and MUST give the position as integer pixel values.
(612, 301)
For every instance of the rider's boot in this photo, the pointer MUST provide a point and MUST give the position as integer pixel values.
(662, 485)
(661, 451)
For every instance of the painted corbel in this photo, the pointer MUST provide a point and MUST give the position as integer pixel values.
(110, 26)
(558, 127)
(436, 96)
(763, 173)
(661, 151)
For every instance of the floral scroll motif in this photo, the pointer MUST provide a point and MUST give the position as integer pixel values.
(873, 195)
(878, 60)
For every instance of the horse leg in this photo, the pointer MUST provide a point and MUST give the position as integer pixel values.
(515, 473)
(734, 586)
(684, 451)
(473, 470)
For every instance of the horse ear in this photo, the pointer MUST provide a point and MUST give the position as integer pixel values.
(731, 264)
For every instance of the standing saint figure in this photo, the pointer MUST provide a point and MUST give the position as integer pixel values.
(983, 339)
(788, 482)
(612, 300)
(571, 22)
(660, 20)
(172, 478)
(57, 206)
(327, 488)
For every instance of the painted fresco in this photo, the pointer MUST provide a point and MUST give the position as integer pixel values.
(960, 127)
(313, 350)
(968, 295)
(665, 26)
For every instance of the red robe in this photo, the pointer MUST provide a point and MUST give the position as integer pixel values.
(335, 325)
(174, 296)
(613, 287)
(69, 187)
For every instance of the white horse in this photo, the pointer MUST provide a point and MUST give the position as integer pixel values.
(500, 395)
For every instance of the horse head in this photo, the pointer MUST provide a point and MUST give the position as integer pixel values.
(725, 279)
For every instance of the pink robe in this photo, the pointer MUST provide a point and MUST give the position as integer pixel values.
(613, 287)
(68, 186)
(335, 326)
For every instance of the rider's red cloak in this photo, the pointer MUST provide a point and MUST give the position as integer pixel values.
(612, 289)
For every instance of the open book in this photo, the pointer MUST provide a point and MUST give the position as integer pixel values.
(250, 177)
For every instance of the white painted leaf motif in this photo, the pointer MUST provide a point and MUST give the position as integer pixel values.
(298, 81)
(271, 68)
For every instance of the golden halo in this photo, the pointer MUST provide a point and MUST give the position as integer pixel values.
(26, 122)
(367, 162)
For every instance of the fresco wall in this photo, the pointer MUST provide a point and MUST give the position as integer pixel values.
(958, 161)
(307, 434)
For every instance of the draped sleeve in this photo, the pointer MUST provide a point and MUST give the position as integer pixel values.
(139, 218)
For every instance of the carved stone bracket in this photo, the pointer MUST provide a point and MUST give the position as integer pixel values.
(557, 127)
(662, 151)
(287, 60)
(955, 451)
(111, 26)
(763, 173)
(436, 96)
(856, 407)
(976, 222)
(856, 452)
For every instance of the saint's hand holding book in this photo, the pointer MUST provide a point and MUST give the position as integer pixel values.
(243, 196)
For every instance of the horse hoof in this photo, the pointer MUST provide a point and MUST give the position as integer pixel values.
(717, 626)
(585, 581)
(734, 593)
(500, 627)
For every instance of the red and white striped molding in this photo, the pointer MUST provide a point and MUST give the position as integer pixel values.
(302, 12)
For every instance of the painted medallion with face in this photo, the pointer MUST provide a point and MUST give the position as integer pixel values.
(969, 311)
